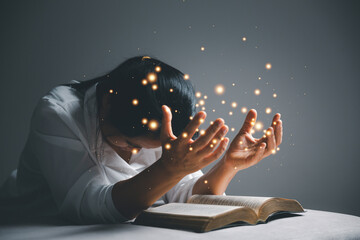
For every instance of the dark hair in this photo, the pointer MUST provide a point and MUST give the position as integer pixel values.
(131, 80)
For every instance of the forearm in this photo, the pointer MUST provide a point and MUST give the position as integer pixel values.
(216, 180)
(133, 195)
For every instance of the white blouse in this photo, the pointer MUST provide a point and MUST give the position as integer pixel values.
(66, 168)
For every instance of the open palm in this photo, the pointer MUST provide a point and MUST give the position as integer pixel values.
(245, 150)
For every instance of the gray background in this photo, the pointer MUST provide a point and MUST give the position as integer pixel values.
(313, 47)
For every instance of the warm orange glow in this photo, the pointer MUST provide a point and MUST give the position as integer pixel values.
(153, 125)
(135, 102)
(144, 121)
(151, 77)
(144, 82)
(219, 89)
(157, 68)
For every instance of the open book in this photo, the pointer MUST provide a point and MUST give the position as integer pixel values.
(203, 213)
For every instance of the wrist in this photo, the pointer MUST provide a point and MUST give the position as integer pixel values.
(228, 164)
(169, 170)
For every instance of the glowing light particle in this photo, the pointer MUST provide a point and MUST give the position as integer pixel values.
(259, 126)
(274, 123)
(151, 77)
(211, 145)
(202, 48)
(205, 97)
(252, 131)
(223, 102)
(144, 82)
(157, 68)
(153, 125)
(211, 122)
(186, 76)
(257, 92)
(191, 117)
(244, 39)
(278, 149)
(190, 148)
(274, 95)
(144, 121)
(184, 135)
(171, 90)
(202, 132)
(134, 151)
(273, 151)
(268, 110)
(201, 120)
(154, 87)
(243, 109)
(206, 181)
(213, 110)
(201, 102)
(230, 113)
(268, 132)
(198, 94)
(203, 108)
(234, 104)
(197, 105)
(233, 84)
(214, 141)
(241, 142)
(232, 129)
(167, 146)
(259, 78)
(135, 102)
(268, 66)
(219, 89)
(111, 91)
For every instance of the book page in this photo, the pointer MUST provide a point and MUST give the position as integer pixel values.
(246, 201)
(188, 209)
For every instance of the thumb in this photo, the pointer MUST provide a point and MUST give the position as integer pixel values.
(166, 130)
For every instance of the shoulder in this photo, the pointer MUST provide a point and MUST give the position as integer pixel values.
(61, 102)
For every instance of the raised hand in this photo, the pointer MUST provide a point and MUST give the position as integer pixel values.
(182, 155)
(245, 150)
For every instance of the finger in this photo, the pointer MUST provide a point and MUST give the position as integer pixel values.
(275, 119)
(217, 153)
(249, 122)
(271, 143)
(212, 144)
(261, 148)
(278, 132)
(166, 130)
(194, 124)
(210, 133)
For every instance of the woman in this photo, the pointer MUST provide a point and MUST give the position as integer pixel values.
(103, 150)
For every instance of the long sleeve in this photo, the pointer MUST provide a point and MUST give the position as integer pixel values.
(182, 191)
(77, 182)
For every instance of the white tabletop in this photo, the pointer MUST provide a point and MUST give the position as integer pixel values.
(312, 224)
